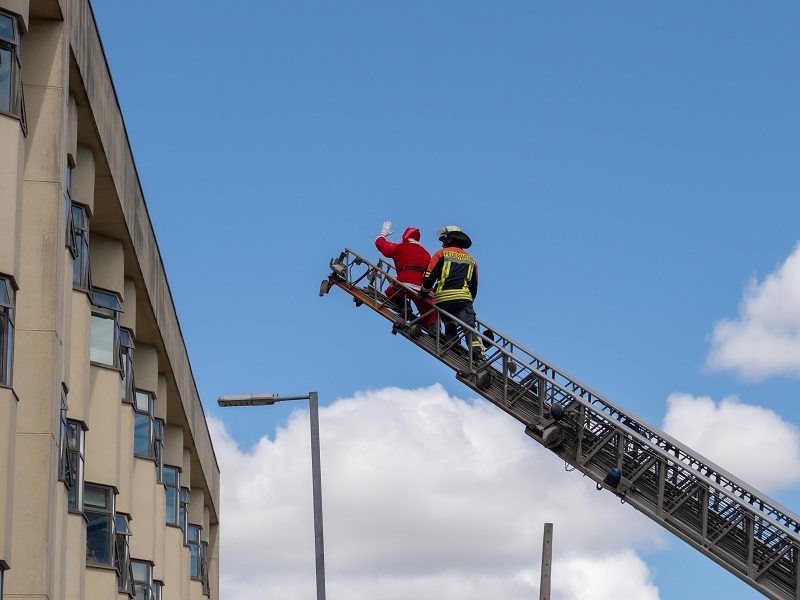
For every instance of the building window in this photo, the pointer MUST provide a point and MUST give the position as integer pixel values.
(72, 242)
(98, 504)
(105, 328)
(122, 554)
(72, 464)
(172, 483)
(157, 590)
(198, 564)
(148, 432)
(62, 436)
(193, 534)
(144, 588)
(7, 301)
(143, 438)
(126, 362)
(1, 582)
(158, 448)
(184, 513)
(12, 100)
(79, 246)
(204, 568)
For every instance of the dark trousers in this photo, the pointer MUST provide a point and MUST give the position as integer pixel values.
(464, 311)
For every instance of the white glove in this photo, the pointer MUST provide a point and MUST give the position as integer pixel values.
(386, 229)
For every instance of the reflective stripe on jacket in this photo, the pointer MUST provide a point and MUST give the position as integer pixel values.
(453, 275)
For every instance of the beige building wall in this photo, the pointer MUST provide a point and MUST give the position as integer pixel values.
(74, 565)
(213, 552)
(60, 558)
(147, 499)
(126, 482)
(37, 342)
(104, 420)
(79, 374)
(11, 167)
(173, 446)
(71, 149)
(176, 566)
(8, 420)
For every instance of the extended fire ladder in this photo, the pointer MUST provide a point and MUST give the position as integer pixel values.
(732, 523)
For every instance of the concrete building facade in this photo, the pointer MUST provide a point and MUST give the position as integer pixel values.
(109, 486)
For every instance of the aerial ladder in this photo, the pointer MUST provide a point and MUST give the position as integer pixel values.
(734, 524)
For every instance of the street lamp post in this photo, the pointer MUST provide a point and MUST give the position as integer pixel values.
(267, 400)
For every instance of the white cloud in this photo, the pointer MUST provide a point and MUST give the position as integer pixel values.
(425, 496)
(620, 575)
(765, 339)
(737, 437)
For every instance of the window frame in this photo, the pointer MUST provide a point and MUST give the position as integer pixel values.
(147, 583)
(71, 241)
(195, 563)
(184, 499)
(73, 464)
(204, 567)
(172, 489)
(158, 447)
(128, 384)
(106, 306)
(8, 300)
(78, 243)
(122, 553)
(101, 512)
(141, 414)
(16, 92)
(63, 469)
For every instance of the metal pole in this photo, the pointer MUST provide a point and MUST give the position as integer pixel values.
(547, 559)
(316, 471)
(316, 477)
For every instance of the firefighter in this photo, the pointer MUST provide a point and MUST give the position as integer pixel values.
(410, 261)
(452, 275)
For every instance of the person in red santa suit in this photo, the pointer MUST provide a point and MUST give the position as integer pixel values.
(410, 261)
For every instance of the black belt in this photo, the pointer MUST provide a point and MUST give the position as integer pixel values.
(417, 269)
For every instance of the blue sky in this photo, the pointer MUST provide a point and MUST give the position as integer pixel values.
(626, 170)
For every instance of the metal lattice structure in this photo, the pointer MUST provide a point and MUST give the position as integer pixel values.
(723, 517)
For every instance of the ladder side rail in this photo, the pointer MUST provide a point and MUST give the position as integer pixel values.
(692, 463)
(682, 466)
(647, 433)
(377, 276)
(350, 269)
(758, 559)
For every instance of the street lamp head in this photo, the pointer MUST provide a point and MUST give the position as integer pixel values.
(249, 400)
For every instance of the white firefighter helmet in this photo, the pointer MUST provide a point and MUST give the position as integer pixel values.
(454, 233)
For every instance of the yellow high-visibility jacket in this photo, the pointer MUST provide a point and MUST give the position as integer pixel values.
(452, 274)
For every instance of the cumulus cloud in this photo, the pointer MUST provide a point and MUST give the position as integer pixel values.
(619, 575)
(425, 496)
(765, 339)
(737, 437)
